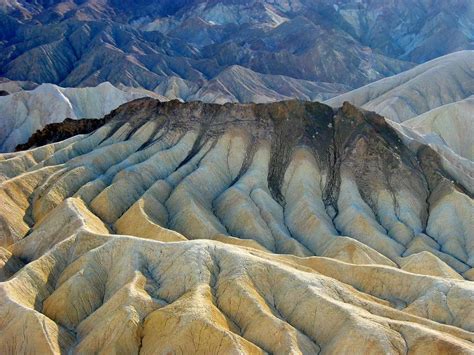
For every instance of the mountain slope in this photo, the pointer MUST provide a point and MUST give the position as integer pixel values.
(235, 229)
(433, 102)
(238, 84)
(143, 44)
(430, 85)
(453, 123)
(24, 112)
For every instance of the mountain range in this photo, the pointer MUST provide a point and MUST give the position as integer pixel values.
(431, 103)
(165, 45)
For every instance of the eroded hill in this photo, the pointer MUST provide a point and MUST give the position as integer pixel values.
(284, 228)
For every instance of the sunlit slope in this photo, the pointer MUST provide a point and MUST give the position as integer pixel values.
(281, 228)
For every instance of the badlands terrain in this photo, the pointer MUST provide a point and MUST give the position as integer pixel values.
(431, 103)
(156, 44)
(439, 82)
(236, 177)
(288, 227)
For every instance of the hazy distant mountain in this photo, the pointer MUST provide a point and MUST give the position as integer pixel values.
(24, 112)
(145, 43)
(11, 86)
(239, 84)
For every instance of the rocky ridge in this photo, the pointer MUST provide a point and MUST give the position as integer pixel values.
(55, 132)
(440, 89)
(235, 229)
(430, 104)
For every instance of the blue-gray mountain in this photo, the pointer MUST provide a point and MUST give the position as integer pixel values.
(178, 47)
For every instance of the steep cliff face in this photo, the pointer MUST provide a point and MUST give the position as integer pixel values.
(289, 227)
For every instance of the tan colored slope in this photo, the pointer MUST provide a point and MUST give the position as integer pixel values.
(427, 264)
(451, 124)
(96, 292)
(166, 231)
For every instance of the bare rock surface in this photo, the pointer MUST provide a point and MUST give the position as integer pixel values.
(429, 85)
(451, 124)
(181, 46)
(431, 104)
(25, 111)
(287, 227)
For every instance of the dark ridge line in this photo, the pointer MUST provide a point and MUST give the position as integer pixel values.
(55, 132)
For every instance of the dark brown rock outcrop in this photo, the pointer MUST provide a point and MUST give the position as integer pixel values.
(55, 132)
